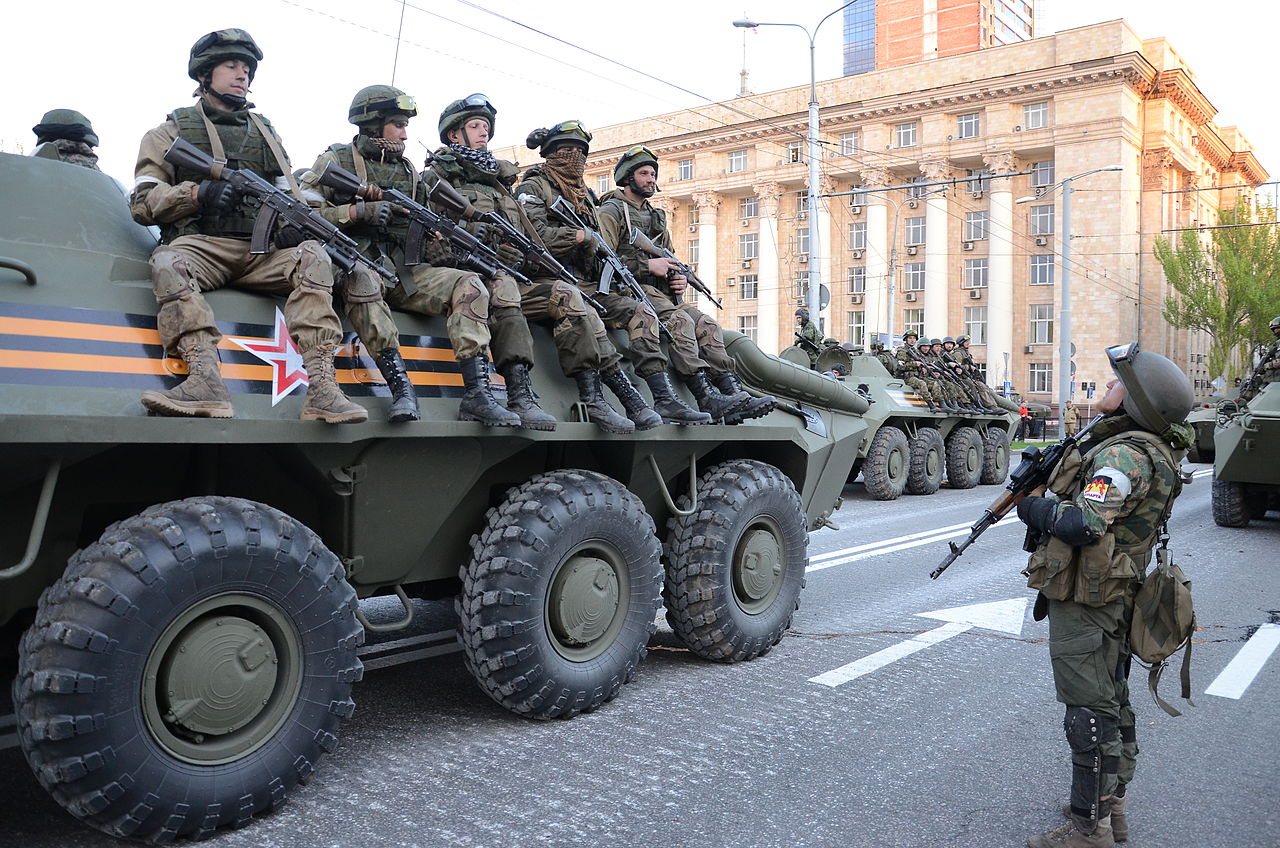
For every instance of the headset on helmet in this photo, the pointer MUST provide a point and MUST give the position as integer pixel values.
(219, 46)
(65, 124)
(1156, 392)
(545, 140)
(460, 111)
(636, 157)
(378, 103)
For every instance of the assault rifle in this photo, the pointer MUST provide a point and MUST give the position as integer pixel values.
(1034, 471)
(807, 343)
(276, 205)
(613, 266)
(472, 254)
(679, 269)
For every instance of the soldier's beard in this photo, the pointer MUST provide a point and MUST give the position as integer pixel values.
(646, 191)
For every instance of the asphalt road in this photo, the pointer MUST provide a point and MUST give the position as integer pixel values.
(953, 740)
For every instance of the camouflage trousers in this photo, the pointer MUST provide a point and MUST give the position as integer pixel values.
(641, 323)
(478, 315)
(1089, 651)
(696, 342)
(582, 343)
(921, 388)
(189, 265)
(367, 310)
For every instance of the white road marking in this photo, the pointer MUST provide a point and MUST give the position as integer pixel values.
(1004, 616)
(1233, 680)
(901, 543)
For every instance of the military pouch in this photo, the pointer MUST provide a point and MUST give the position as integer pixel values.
(1052, 570)
(1103, 574)
(1163, 622)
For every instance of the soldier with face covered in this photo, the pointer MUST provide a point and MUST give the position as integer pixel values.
(66, 135)
(205, 227)
(1097, 525)
(564, 150)
(697, 348)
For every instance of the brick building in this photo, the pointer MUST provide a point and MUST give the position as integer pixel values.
(891, 33)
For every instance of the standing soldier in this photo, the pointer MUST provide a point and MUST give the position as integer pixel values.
(808, 336)
(205, 227)
(377, 157)
(1268, 368)
(66, 135)
(1070, 420)
(1110, 501)
(564, 148)
(911, 372)
(584, 349)
(697, 348)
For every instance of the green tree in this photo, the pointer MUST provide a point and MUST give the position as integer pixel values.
(1228, 287)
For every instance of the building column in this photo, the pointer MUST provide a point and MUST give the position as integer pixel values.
(937, 307)
(770, 292)
(876, 299)
(708, 203)
(827, 258)
(1000, 274)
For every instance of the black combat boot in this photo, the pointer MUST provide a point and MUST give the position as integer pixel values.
(669, 405)
(404, 400)
(599, 412)
(709, 398)
(755, 407)
(521, 400)
(632, 401)
(477, 401)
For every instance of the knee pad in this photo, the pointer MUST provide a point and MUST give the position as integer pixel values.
(470, 298)
(171, 276)
(503, 292)
(1086, 732)
(362, 286)
(314, 268)
(643, 324)
(566, 301)
(679, 323)
(705, 325)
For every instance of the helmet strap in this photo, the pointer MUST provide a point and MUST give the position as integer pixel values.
(231, 101)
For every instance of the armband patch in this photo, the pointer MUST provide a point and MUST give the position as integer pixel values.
(1103, 481)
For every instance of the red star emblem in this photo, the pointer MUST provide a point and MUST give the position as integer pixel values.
(287, 370)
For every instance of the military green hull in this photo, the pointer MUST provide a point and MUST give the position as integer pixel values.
(1246, 465)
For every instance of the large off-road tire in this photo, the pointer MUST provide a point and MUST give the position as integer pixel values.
(735, 568)
(1230, 504)
(964, 458)
(928, 462)
(188, 670)
(1194, 454)
(995, 457)
(887, 465)
(559, 599)
(1257, 498)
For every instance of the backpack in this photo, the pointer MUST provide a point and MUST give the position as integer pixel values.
(1163, 622)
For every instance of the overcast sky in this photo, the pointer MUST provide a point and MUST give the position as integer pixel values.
(124, 63)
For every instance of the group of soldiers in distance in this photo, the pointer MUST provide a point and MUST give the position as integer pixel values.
(206, 226)
(1267, 369)
(941, 371)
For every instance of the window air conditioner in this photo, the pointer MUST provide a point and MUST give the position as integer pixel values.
(968, 245)
(1018, 128)
(732, 281)
(911, 297)
(746, 263)
(746, 222)
(1040, 190)
(1029, 349)
(857, 254)
(855, 210)
(912, 250)
(975, 294)
(855, 298)
(804, 258)
(804, 213)
(693, 228)
(975, 194)
(1042, 241)
(913, 204)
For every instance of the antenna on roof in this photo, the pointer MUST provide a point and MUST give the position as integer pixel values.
(743, 89)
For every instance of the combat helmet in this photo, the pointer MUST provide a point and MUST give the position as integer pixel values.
(219, 46)
(65, 124)
(377, 104)
(459, 112)
(1273, 326)
(544, 140)
(802, 313)
(636, 157)
(962, 338)
(936, 342)
(948, 340)
(910, 334)
(1156, 392)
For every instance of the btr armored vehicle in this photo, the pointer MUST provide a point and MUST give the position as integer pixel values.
(1246, 463)
(179, 598)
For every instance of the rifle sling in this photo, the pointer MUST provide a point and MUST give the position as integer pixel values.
(220, 153)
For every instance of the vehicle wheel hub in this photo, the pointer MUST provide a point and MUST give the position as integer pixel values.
(220, 676)
(584, 600)
(896, 464)
(758, 569)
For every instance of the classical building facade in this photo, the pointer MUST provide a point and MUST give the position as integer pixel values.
(980, 250)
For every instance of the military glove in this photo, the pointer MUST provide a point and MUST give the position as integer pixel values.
(376, 213)
(289, 236)
(592, 241)
(216, 194)
(510, 257)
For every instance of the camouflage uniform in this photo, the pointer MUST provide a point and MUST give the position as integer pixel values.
(1102, 522)
(910, 372)
(66, 135)
(810, 332)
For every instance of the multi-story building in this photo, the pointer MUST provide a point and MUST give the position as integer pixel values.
(891, 33)
(982, 254)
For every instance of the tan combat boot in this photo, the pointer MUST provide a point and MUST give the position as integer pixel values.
(202, 394)
(325, 401)
(1070, 835)
(1119, 821)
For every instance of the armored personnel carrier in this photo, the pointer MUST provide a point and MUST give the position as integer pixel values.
(180, 598)
(1246, 463)
(1203, 418)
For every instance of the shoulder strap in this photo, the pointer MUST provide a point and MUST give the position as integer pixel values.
(277, 151)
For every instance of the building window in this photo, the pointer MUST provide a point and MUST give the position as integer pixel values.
(693, 251)
(913, 276)
(858, 236)
(975, 324)
(1035, 116)
(975, 273)
(800, 288)
(749, 207)
(904, 135)
(1042, 220)
(1040, 377)
(916, 190)
(968, 125)
(856, 327)
(684, 169)
(802, 240)
(915, 230)
(795, 152)
(858, 197)
(1042, 173)
(749, 246)
(913, 321)
(979, 180)
(748, 287)
(975, 226)
(737, 161)
(1041, 324)
(1042, 270)
(695, 215)
(747, 326)
(857, 280)
(802, 204)
(602, 184)
(849, 143)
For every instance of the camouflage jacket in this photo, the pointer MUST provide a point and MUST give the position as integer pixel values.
(67, 150)
(617, 216)
(536, 192)
(890, 364)
(908, 365)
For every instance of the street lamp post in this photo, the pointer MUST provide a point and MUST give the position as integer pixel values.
(811, 205)
(1064, 277)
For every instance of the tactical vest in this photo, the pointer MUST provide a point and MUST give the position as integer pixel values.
(582, 262)
(399, 175)
(649, 220)
(1104, 570)
(245, 148)
(486, 192)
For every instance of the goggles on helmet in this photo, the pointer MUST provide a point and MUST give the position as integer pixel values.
(403, 104)
(570, 127)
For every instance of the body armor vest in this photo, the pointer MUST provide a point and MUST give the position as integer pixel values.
(398, 175)
(1136, 532)
(486, 192)
(245, 148)
(584, 264)
(647, 219)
